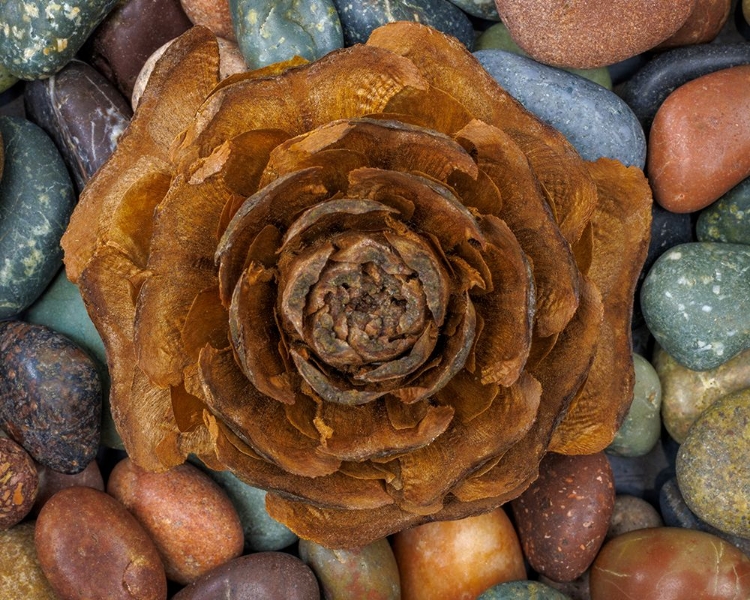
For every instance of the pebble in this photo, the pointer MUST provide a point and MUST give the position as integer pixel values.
(36, 200)
(19, 483)
(83, 113)
(522, 590)
(191, 520)
(90, 546)
(696, 299)
(213, 14)
(657, 79)
(630, 514)
(263, 575)
(578, 589)
(591, 34)
(41, 36)
(7, 79)
(130, 34)
(726, 220)
(21, 577)
(687, 393)
(641, 428)
(642, 476)
(666, 563)
(483, 9)
(746, 10)
(360, 17)
(699, 144)
(712, 465)
(563, 516)
(596, 121)
(51, 482)
(368, 572)
(703, 24)
(50, 396)
(445, 560)
(267, 35)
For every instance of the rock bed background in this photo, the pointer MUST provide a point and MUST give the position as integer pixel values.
(678, 465)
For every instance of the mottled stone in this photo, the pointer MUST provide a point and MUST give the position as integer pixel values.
(642, 476)
(596, 121)
(563, 516)
(360, 17)
(666, 563)
(368, 572)
(703, 24)
(260, 575)
(641, 428)
(446, 560)
(687, 393)
(40, 37)
(36, 200)
(695, 300)
(484, 9)
(191, 521)
(591, 34)
(522, 590)
(21, 577)
(19, 483)
(728, 219)
(578, 589)
(7, 79)
(630, 514)
(83, 113)
(699, 144)
(269, 32)
(213, 14)
(712, 465)
(51, 482)
(50, 396)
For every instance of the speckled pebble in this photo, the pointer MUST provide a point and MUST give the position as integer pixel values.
(703, 24)
(630, 514)
(21, 577)
(484, 9)
(522, 590)
(19, 483)
(728, 219)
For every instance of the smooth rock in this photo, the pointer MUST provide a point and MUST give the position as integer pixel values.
(360, 17)
(578, 589)
(649, 87)
(51, 482)
(213, 14)
(483, 9)
(21, 577)
(261, 576)
(446, 560)
(696, 299)
(563, 516)
(522, 590)
(40, 37)
(7, 79)
(666, 563)
(703, 24)
(368, 572)
(192, 522)
(687, 393)
(728, 219)
(713, 471)
(269, 32)
(596, 121)
(50, 396)
(590, 34)
(746, 10)
(82, 112)
(630, 514)
(699, 144)
(90, 546)
(19, 483)
(130, 34)
(36, 200)
(643, 476)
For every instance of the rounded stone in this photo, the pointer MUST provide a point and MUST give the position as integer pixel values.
(90, 546)
(642, 476)
(666, 563)
(483, 9)
(51, 482)
(713, 471)
(213, 14)
(696, 299)
(699, 144)
(368, 572)
(19, 483)
(703, 24)
(36, 201)
(7, 79)
(728, 219)
(563, 516)
(522, 590)
(21, 577)
(578, 589)
(50, 396)
(631, 514)
(191, 520)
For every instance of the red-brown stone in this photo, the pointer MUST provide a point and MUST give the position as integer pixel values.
(213, 14)
(19, 483)
(51, 482)
(703, 24)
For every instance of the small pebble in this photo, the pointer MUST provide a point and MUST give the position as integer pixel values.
(642, 476)
(213, 14)
(19, 483)
(726, 220)
(703, 24)
(21, 577)
(51, 482)
(630, 514)
(522, 590)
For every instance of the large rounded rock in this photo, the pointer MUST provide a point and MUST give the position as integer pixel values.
(21, 577)
(631, 514)
(522, 590)
(728, 219)
(703, 24)
(51, 482)
(19, 483)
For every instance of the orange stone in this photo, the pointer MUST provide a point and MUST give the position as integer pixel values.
(458, 560)
(699, 145)
(703, 24)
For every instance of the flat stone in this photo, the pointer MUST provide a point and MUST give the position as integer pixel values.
(21, 577)
(699, 144)
(703, 24)
(631, 514)
(19, 483)
(522, 590)
(727, 220)
(696, 299)
(596, 121)
(590, 34)
(213, 14)
(712, 465)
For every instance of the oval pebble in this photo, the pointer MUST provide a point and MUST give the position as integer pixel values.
(51, 482)
(21, 576)
(522, 590)
(703, 24)
(19, 483)
(642, 476)
(191, 520)
(727, 219)
(90, 546)
(213, 14)
(36, 201)
(483, 9)
(630, 514)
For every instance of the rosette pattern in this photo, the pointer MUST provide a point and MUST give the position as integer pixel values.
(374, 284)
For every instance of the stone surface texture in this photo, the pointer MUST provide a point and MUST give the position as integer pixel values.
(19, 483)
(703, 24)
(51, 482)
(21, 576)
(728, 219)
(213, 14)
(631, 514)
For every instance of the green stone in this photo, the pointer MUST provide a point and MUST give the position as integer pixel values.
(727, 219)
(7, 79)
(713, 471)
(641, 428)
(484, 9)
(522, 590)
(696, 301)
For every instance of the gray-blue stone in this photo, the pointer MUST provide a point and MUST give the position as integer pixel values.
(596, 121)
(270, 32)
(727, 219)
(522, 590)
(696, 302)
(643, 476)
(360, 17)
(36, 201)
(484, 9)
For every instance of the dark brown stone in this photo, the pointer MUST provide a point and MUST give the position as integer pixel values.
(18, 483)
(51, 482)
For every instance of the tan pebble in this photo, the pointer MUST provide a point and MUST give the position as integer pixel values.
(21, 577)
